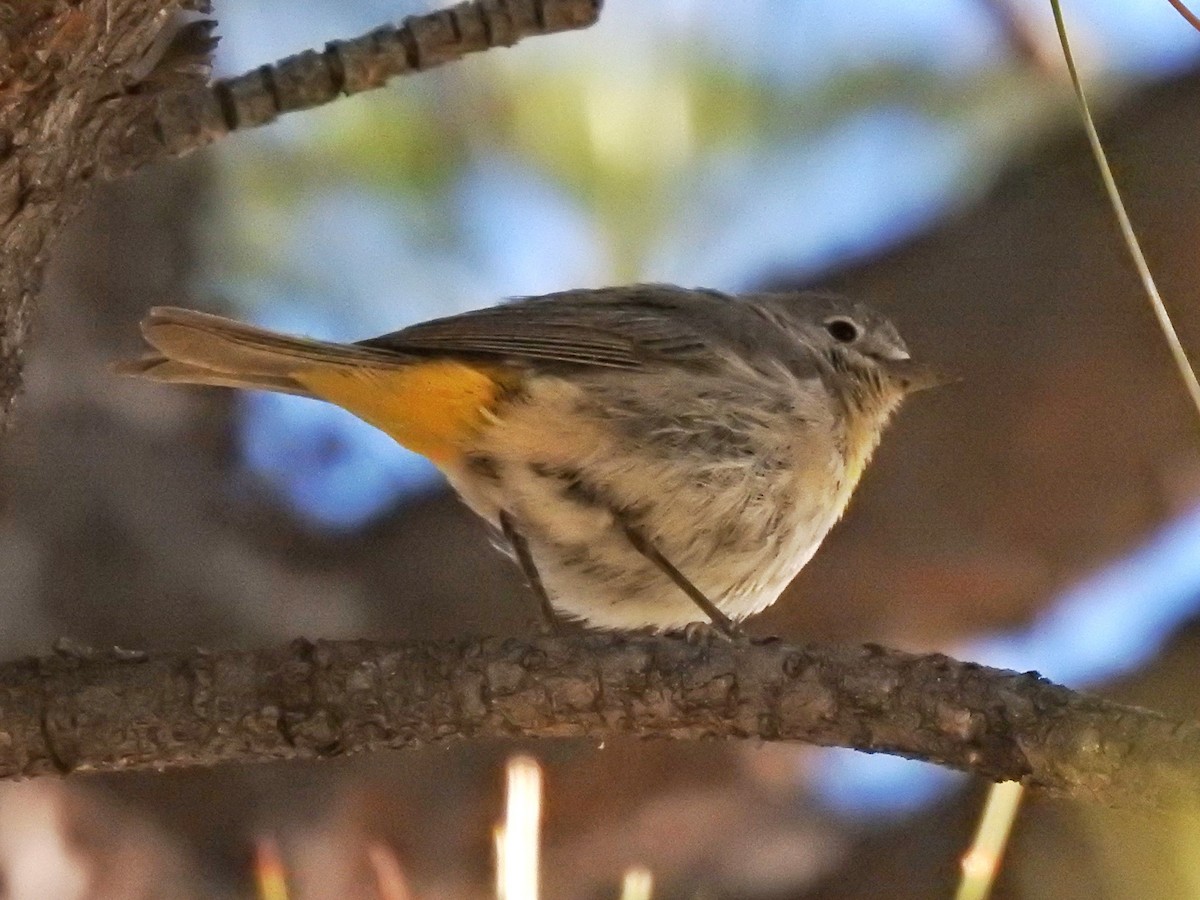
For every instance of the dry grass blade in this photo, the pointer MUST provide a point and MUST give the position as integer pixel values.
(1135, 250)
(982, 861)
(638, 884)
(518, 839)
(270, 875)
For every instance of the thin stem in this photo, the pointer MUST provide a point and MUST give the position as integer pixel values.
(1186, 13)
(982, 862)
(1131, 242)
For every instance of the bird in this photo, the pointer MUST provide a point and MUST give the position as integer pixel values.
(653, 457)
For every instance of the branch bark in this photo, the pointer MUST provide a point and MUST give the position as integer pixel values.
(99, 88)
(119, 711)
(181, 122)
(69, 73)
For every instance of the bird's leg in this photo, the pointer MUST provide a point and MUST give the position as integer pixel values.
(520, 547)
(721, 622)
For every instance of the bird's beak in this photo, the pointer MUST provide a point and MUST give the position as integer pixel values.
(914, 376)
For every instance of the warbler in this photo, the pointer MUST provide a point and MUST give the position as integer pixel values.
(653, 456)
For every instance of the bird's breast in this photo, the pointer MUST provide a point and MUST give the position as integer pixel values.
(735, 482)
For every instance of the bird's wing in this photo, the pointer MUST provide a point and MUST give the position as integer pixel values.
(623, 328)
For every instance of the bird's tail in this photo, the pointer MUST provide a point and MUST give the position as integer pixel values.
(200, 348)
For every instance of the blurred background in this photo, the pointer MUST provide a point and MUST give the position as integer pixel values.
(1043, 513)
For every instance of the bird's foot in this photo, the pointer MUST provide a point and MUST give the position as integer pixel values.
(705, 634)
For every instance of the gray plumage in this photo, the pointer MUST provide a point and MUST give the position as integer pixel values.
(728, 432)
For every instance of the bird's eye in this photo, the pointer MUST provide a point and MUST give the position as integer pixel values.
(843, 331)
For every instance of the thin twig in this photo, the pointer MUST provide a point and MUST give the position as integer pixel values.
(1186, 13)
(1131, 242)
(1025, 41)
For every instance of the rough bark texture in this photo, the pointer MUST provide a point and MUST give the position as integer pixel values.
(181, 122)
(70, 75)
(99, 88)
(109, 712)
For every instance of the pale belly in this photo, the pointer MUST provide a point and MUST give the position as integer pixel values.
(738, 494)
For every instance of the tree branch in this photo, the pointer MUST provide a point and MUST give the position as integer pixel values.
(68, 72)
(118, 711)
(181, 122)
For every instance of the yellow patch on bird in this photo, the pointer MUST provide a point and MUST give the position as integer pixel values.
(432, 408)
(861, 439)
(863, 430)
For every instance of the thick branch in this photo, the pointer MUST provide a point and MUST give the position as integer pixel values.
(68, 71)
(112, 712)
